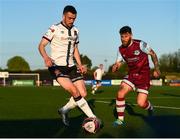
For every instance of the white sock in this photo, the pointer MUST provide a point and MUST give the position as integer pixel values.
(83, 105)
(69, 105)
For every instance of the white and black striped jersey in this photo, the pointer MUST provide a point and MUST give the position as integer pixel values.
(62, 40)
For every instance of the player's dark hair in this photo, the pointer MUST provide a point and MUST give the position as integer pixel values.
(125, 29)
(69, 8)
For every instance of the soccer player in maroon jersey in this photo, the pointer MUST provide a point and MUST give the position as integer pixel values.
(135, 54)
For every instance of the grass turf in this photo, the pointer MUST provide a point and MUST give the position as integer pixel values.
(32, 112)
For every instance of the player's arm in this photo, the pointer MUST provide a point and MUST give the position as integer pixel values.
(95, 75)
(116, 66)
(148, 50)
(154, 58)
(47, 59)
(118, 63)
(82, 68)
(47, 37)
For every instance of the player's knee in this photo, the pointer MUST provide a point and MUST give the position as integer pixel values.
(83, 94)
(74, 92)
(122, 92)
(141, 103)
(82, 91)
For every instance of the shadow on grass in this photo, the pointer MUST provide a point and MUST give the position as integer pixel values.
(162, 125)
(39, 128)
(46, 128)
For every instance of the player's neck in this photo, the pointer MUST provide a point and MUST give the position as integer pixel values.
(130, 43)
(64, 24)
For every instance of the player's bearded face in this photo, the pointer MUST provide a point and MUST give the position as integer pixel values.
(68, 19)
(126, 39)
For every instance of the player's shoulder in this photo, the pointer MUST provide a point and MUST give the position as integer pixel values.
(140, 42)
(75, 28)
(54, 27)
(97, 69)
(144, 46)
(137, 41)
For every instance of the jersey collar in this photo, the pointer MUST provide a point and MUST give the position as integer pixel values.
(66, 26)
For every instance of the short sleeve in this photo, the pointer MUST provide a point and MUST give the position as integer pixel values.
(77, 39)
(119, 57)
(49, 33)
(76, 33)
(145, 47)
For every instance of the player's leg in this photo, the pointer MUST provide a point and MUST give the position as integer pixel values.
(62, 77)
(95, 88)
(80, 85)
(93, 85)
(98, 85)
(79, 100)
(67, 85)
(142, 88)
(120, 102)
(143, 102)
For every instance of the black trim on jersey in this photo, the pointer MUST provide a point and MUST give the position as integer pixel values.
(77, 42)
(68, 52)
(46, 38)
(69, 32)
(69, 47)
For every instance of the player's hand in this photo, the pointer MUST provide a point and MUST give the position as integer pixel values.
(156, 73)
(114, 68)
(48, 61)
(82, 69)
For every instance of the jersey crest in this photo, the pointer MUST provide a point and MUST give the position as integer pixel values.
(136, 52)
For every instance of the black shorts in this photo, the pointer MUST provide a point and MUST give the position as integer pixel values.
(66, 72)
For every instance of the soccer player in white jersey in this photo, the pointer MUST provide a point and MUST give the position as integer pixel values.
(64, 39)
(98, 73)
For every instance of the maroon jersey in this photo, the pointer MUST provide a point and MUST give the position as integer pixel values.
(136, 57)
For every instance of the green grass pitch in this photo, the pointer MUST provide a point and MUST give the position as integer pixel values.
(32, 112)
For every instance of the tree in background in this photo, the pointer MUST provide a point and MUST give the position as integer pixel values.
(18, 64)
(86, 61)
(170, 62)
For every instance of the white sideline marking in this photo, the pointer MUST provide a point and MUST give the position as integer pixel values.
(161, 107)
(148, 97)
